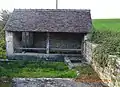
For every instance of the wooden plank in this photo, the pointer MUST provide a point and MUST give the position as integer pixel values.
(47, 43)
(73, 55)
(31, 48)
(60, 49)
(27, 39)
(30, 39)
(52, 49)
(24, 39)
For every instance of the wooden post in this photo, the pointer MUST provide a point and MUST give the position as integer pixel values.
(27, 39)
(47, 43)
(84, 46)
(31, 39)
(24, 39)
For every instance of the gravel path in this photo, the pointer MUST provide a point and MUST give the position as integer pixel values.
(50, 82)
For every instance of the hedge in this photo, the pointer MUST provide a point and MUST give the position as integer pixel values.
(109, 44)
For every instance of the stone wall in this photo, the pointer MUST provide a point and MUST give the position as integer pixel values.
(39, 40)
(66, 40)
(17, 39)
(110, 75)
(9, 42)
(57, 40)
(36, 56)
(88, 50)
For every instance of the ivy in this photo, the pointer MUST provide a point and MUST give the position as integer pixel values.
(109, 44)
(97, 36)
(2, 49)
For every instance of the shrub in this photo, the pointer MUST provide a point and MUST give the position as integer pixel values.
(109, 44)
(97, 36)
(2, 48)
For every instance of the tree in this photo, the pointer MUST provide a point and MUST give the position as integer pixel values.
(4, 14)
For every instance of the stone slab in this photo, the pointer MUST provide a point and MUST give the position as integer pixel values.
(51, 82)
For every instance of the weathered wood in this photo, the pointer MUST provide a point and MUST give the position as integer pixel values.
(55, 49)
(30, 39)
(24, 39)
(27, 39)
(31, 48)
(43, 54)
(47, 43)
(60, 49)
(82, 44)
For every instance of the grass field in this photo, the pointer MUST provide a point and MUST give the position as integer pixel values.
(107, 35)
(107, 24)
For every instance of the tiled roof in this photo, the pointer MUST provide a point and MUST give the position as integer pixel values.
(50, 20)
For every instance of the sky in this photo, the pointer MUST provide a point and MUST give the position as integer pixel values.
(99, 8)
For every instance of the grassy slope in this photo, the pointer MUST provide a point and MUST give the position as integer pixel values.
(107, 24)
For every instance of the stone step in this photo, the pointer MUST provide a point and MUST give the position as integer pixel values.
(73, 62)
(77, 59)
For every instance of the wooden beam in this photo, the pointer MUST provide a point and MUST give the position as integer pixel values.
(83, 44)
(24, 39)
(31, 48)
(30, 39)
(74, 55)
(27, 39)
(60, 49)
(47, 43)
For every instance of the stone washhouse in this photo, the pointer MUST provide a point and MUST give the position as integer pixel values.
(50, 34)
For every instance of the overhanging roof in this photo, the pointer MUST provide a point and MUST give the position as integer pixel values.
(50, 20)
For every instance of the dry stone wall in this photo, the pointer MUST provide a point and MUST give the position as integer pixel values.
(109, 75)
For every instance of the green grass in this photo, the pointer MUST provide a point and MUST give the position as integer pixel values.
(43, 69)
(107, 35)
(85, 70)
(87, 74)
(107, 24)
(36, 69)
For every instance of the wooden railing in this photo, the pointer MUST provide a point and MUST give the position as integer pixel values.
(31, 49)
(61, 49)
(50, 49)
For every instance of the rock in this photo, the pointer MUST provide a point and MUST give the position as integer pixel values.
(51, 82)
